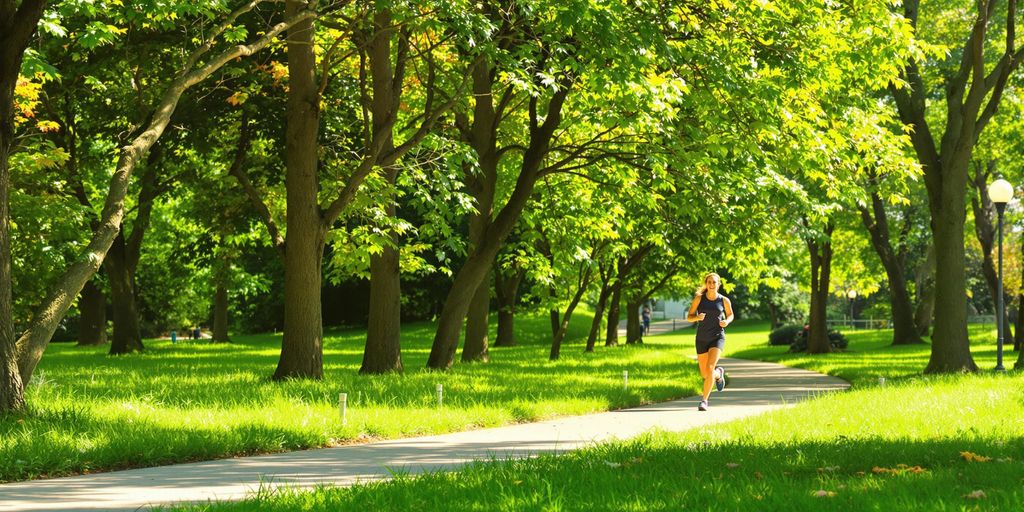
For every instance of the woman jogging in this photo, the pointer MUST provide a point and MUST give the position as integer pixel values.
(713, 311)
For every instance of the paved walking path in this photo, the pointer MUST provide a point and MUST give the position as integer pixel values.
(755, 387)
(659, 326)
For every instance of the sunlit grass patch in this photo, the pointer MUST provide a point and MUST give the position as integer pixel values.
(191, 401)
(944, 443)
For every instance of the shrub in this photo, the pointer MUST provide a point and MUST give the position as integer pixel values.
(785, 335)
(835, 338)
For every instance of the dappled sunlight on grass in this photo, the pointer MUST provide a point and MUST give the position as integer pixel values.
(192, 400)
(947, 443)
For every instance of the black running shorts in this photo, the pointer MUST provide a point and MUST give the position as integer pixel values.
(704, 346)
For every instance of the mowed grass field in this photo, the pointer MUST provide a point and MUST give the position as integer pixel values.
(947, 443)
(193, 401)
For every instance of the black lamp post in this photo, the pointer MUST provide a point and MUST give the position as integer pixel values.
(1000, 192)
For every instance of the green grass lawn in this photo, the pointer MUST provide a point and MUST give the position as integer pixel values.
(870, 354)
(192, 401)
(952, 442)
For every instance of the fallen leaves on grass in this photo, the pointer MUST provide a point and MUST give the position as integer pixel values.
(828, 469)
(731, 465)
(974, 457)
(898, 470)
(821, 493)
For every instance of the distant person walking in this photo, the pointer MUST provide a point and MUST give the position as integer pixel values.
(645, 317)
(713, 311)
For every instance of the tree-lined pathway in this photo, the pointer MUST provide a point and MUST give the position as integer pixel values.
(658, 326)
(755, 387)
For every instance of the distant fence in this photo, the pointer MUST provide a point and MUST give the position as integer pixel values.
(982, 319)
(860, 323)
(886, 323)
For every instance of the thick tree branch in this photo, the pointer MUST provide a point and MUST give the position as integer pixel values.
(669, 274)
(18, 26)
(996, 81)
(149, 192)
(910, 104)
(237, 170)
(429, 119)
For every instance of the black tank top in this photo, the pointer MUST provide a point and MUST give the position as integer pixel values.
(714, 310)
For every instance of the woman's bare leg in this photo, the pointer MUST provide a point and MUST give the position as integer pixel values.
(706, 373)
(707, 369)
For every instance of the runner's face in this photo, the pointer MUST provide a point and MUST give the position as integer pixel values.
(711, 283)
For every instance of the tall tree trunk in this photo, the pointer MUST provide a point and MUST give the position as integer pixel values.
(1019, 365)
(12, 390)
(92, 324)
(473, 272)
(482, 184)
(924, 282)
(220, 315)
(222, 278)
(877, 223)
(507, 288)
(623, 267)
(950, 345)
(553, 313)
(614, 306)
(17, 24)
(481, 258)
(984, 210)
(633, 325)
(1018, 333)
(1018, 339)
(821, 266)
(556, 341)
(905, 330)
(122, 262)
(602, 301)
(475, 346)
(383, 352)
(544, 248)
(302, 343)
(1018, 324)
(127, 337)
(773, 315)
(302, 346)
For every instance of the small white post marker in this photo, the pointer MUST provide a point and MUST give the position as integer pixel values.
(625, 379)
(440, 393)
(343, 406)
